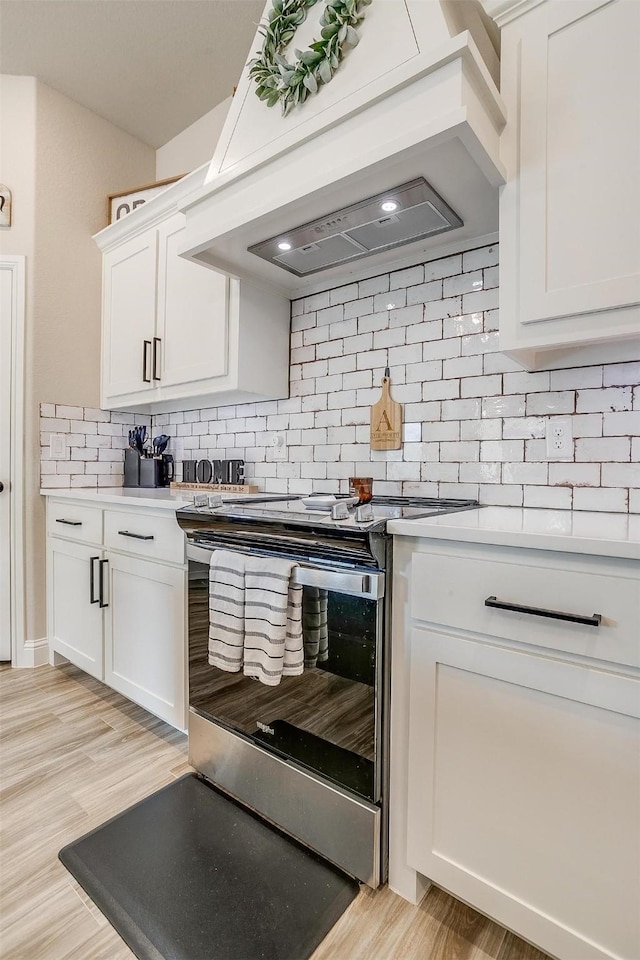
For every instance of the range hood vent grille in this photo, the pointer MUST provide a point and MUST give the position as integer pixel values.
(401, 215)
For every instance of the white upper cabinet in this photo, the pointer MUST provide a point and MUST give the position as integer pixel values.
(570, 211)
(176, 334)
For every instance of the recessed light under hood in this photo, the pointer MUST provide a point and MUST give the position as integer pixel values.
(401, 215)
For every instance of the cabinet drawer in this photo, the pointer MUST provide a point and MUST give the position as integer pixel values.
(144, 535)
(74, 521)
(450, 588)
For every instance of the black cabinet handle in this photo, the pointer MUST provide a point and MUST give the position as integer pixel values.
(154, 365)
(593, 621)
(136, 536)
(92, 599)
(101, 583)
(71, 523)
(145, 377)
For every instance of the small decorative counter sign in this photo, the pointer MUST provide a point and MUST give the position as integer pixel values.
(386, 420)
(121, 204)
(5, 206)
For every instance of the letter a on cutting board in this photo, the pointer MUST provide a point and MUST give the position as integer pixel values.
(386, 420)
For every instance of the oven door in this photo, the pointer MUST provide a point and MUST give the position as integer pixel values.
(328, 721)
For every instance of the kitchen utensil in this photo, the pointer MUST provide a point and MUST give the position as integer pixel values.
(137, 438)
(160, 444)
(386, 420)
(362, 488)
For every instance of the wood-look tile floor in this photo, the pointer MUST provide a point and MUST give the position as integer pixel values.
(73, 753)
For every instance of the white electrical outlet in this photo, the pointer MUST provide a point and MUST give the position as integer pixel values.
(559, 437)
(278, 446)
(57, 447)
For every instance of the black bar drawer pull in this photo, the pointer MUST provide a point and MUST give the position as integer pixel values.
(101, 583)
(154, 363)
(593, 621)
(71, 523)
(136, 536)
(92, 599)
(145, 375)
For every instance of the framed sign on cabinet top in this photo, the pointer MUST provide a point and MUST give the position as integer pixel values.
(119, 205)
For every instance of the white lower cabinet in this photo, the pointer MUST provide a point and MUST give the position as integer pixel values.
(523, 791)
(114, 613)
(515, 767)
(73, 605)
(145, 615)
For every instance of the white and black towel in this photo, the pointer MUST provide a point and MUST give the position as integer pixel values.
(226, 610)
(273, 620)
(314, 625)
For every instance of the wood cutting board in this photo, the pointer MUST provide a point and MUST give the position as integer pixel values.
(386, 420)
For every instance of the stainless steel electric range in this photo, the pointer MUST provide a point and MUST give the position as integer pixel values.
(310, 754)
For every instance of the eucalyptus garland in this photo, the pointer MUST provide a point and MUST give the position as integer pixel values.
(280, 81)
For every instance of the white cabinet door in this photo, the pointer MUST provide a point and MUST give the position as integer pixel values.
(74, 613)
(145, 635)
(570, 241)
(193, 317)
(524, 791)
(128, 319)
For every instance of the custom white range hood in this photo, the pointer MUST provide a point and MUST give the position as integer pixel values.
(368, 174)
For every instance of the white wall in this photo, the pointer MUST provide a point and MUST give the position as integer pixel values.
(193, 146)
(61, 161)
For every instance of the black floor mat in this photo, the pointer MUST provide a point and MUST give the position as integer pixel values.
(187, 874)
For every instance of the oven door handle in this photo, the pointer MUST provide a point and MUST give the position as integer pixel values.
(369, 585)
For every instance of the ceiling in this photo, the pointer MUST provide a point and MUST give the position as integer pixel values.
(152, 67)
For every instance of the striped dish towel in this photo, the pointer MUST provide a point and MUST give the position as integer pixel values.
(273, 620)
(314, 624)
(226, 610)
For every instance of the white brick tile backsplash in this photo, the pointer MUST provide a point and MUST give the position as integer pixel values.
(479, 343)
(481, 386)
(623, 374)
(558, 402)
(405, 278)
(474, 420)
(424, 293)
(343, 294)
(550, 498)
(443, 309)
(464, 283)
(462, 325)
(524, 473)
(503, 495)
(505, 406)
(481, 429)
(447, 267)
(482, 257)
(461, 409)
(368, 288)
(525, 428)
(460, 451)
(392, 300)
(603, 449)
(605, 499)
(620, 475)
(574, 474)
(480, 472)
(606, 400)
(502, 450)
(621, 424)
(578, 378)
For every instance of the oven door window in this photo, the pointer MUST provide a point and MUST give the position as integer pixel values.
(325, 720)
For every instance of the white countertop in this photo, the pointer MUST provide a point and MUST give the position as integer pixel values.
(160, 497)
(602, 534)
